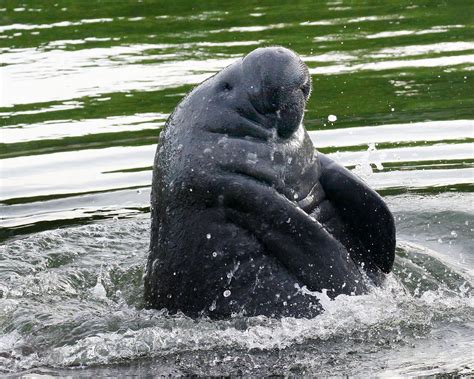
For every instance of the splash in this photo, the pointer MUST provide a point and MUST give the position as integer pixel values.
(371, 157)
(72, 297)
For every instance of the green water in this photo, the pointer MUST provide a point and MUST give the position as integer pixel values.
(85, 88)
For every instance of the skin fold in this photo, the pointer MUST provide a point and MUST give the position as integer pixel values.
(245, 212)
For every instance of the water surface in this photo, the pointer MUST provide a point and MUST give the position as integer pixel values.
(84, 93)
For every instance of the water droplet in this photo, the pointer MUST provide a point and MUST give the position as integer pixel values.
(226, 293)
(214, 254)
(332, 118)
(99, 290)
(208, 236)
(213, 306)
(252, 158)
(454, 234)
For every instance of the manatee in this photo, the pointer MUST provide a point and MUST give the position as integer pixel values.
(247, 218)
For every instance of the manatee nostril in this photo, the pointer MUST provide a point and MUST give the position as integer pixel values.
(227, 86)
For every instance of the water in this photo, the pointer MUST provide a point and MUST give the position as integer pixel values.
(84, 92)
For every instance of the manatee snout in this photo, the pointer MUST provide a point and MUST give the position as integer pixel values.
(278, 86)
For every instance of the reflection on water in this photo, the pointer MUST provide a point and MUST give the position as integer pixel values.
(82, 102)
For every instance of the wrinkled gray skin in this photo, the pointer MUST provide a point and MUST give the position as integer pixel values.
(245, 212)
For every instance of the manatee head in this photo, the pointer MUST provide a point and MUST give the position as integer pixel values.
(280, 85)
(270, 86)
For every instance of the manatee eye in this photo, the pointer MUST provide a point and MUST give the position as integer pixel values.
(227, 86)
(306, 88)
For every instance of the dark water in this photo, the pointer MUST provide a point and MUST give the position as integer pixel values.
(84, 91)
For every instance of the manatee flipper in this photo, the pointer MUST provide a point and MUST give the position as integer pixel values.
(364, 211)
(295, 239)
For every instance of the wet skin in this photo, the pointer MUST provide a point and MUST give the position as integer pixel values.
(245, 212)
